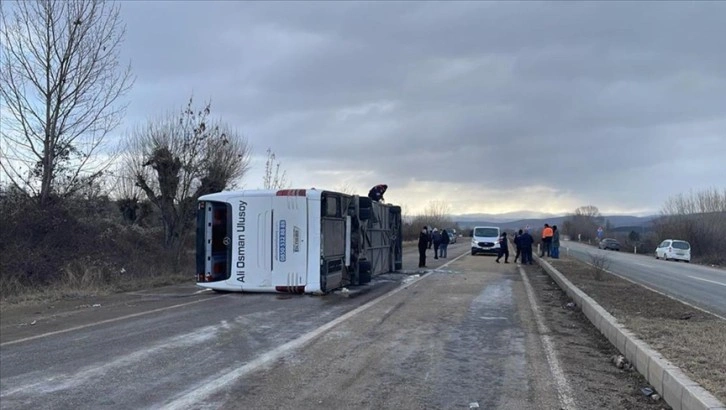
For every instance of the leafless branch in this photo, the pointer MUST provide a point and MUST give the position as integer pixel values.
(175, 159)
(274, 177)
(60, 84)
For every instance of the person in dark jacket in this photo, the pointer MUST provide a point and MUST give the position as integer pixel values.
(376, 193)
(423, 242)
(436, 236)
(444, 243)
(525, 242)
(555, 251)
(503, 248)
(517, 238)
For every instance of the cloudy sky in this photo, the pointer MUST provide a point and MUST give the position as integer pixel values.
(490, 107)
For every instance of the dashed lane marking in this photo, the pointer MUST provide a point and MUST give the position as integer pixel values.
(707, 280)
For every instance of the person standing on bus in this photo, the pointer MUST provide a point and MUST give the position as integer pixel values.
(423, 243)
(376, 193)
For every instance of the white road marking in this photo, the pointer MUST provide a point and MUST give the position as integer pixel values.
(198, 393)
(645, 265)
(103, 322)
(707, 280)
(493, 318)
(49, 383)
(564, 391)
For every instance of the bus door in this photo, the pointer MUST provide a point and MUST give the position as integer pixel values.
(289, 269)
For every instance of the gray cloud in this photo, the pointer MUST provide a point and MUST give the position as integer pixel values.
(620, 104)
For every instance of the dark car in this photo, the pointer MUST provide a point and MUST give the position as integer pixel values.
(609, 243)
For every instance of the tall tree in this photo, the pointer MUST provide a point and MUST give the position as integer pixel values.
(177, 159)
(60, 83)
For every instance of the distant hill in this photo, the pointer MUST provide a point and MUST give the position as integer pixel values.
(503, 218)
(504, 221)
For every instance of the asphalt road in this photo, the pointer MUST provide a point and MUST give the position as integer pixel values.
(463, 334)
(697, 285)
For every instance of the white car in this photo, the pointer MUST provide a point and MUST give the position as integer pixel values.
(452, 235)
(674, 249)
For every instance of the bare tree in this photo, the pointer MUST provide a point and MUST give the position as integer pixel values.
(709, 200)
(345, 188)
(436, 214)
(273, 178)
(177, 159)
(600, 264)
(60, 82)
(583, 222)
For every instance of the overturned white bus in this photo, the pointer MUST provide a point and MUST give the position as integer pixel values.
(294, 240)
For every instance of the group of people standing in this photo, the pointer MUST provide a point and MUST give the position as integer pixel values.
(428, 237)
(550, 242)
(524, 242)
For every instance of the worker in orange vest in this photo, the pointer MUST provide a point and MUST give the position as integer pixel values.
(547, 234)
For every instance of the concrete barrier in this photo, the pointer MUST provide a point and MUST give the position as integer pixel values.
(677, 389)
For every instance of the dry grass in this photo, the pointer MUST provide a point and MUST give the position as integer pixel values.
(692, 343)
(690, 339)
(80, 281)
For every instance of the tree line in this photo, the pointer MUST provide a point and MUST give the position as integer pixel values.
(697, 217)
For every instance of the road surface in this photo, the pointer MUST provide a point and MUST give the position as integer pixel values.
(701, 286)
(468, 333)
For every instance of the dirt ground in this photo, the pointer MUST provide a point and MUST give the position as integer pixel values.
(682, 334)
(585, 354)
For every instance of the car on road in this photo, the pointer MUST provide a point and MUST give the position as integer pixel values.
(674, 249)
(452, 235)
(485, 239)
(609, 243)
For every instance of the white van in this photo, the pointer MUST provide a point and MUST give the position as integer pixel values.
(485, 239)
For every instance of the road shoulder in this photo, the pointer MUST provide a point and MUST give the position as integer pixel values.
(689, 338)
